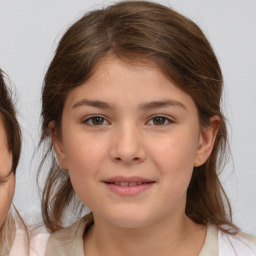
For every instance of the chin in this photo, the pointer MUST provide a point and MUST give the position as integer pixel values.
(130, 220)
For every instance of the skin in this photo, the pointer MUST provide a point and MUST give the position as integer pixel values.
(129, 140)
(7, 177)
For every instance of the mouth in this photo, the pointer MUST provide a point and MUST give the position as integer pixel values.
(128, 186)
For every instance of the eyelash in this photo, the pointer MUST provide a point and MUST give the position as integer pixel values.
(89, 120)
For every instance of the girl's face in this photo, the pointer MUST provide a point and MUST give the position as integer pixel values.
(130, 140)
(7, 178)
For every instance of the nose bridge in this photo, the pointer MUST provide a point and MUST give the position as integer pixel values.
(128, 143)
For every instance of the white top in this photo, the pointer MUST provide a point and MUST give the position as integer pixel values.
(69, 241)
(36, 243)
(216, 243)
(235, 245)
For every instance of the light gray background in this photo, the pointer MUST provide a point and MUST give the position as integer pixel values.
(30, 30)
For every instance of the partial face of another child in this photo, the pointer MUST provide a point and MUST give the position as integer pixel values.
(130, 139)
(7, 177)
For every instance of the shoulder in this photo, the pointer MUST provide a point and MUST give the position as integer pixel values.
(236, 245)
(69, 240)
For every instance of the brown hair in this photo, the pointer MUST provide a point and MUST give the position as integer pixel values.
(11, 125)
(138, 31)
(12, 129)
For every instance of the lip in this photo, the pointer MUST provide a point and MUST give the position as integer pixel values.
(128, 186)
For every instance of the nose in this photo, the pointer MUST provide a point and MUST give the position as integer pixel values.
(127, 145)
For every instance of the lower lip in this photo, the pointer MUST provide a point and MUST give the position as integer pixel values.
(128, 190)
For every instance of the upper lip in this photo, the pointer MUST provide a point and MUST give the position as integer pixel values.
(127, 179)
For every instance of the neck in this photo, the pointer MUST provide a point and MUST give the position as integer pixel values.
(179, 237)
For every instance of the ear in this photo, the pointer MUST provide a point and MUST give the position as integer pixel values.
(206, 141)
(58, 145)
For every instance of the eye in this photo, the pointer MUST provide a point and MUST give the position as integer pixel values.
(159, 120)
(5, 179)
(96, 120)
(2, 181)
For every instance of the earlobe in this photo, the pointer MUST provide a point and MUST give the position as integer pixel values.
(58, 145)
(206, 141)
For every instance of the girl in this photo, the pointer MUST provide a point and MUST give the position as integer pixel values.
(14, 234)
(131, 108)
(10, 144)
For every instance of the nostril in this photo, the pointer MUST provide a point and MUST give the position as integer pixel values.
(135, 159)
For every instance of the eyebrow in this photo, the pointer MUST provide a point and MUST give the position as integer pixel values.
(143, 106)
(92, 103)
(161, 104)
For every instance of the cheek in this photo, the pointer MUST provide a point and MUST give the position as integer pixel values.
(6, 195)
(83, 153)
(175, 164)
(84, 156)
(176, 153)
(174, 158)
(7, 187)
(5, 161)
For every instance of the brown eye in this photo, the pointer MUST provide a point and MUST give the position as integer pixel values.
(95, 120)
(159, 120)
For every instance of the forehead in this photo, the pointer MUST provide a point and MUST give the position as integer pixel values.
(113, 78)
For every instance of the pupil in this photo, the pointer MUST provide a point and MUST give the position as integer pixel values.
(159, 120)
(97, 120)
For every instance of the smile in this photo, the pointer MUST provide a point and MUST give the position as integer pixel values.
(125, 184)
(128, 186)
